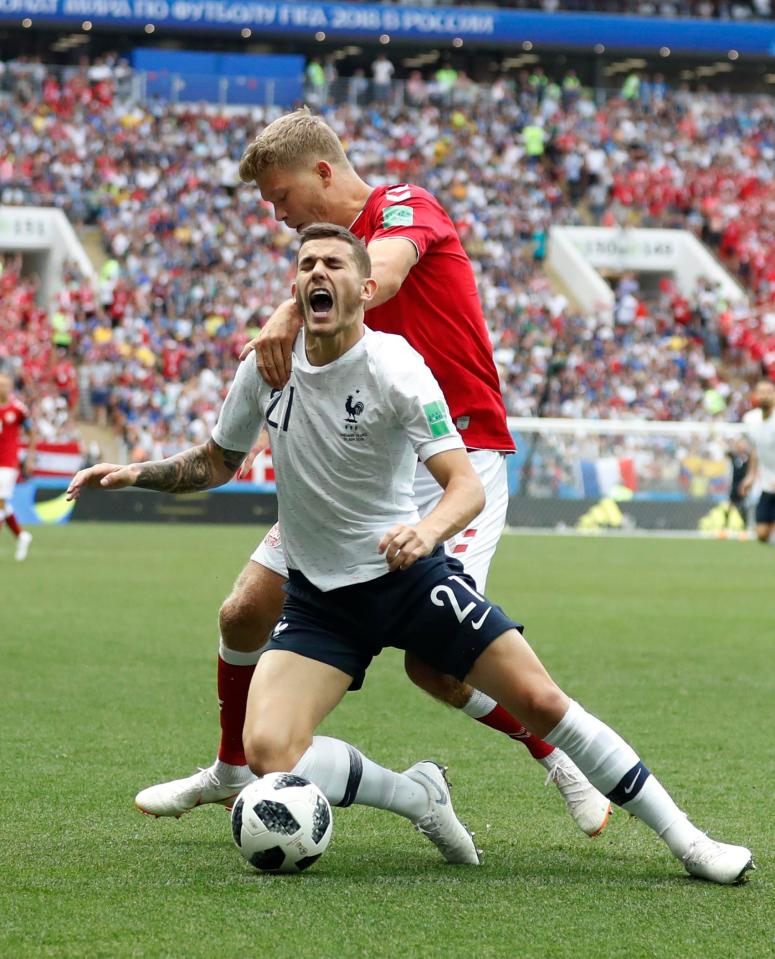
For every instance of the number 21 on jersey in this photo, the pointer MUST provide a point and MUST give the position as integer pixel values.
(283, 419)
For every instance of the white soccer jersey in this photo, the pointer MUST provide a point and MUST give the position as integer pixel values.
(761, 432)
(345, 440)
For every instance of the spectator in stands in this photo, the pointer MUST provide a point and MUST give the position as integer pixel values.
(444, 81)
(416, 89)
(315, 82)
(382, 71)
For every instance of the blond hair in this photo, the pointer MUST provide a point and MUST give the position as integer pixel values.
(287, 142)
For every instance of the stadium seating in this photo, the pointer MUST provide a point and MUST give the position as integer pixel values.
(195, 261)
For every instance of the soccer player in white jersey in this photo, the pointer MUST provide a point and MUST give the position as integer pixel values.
(760, 424)
(427, 294)
(375, 574)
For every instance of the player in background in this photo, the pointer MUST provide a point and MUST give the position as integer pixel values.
(739, 456)
(375, 573)
(426, 292)
(760, 424)
(14, 418)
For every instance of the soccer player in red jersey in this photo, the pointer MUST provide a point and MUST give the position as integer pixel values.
(426, 292)
(14, 417)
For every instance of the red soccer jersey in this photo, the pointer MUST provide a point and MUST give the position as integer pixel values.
(438, 311)
(12, 415)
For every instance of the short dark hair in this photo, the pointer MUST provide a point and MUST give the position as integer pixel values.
(330, 231)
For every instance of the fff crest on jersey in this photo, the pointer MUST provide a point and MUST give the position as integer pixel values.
(354, 408)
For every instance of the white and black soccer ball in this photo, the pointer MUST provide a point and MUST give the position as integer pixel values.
(281, 823)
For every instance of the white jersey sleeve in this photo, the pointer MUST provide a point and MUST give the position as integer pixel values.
(242, 414)
(761, 433)
(752, 419)
(418, 403)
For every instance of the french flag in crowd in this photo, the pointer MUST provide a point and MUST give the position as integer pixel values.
(599, 477)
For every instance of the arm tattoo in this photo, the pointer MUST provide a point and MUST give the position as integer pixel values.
(199, 468)
(185, 473)
(232, 459)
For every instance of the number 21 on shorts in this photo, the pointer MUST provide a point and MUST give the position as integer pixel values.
(445, 595)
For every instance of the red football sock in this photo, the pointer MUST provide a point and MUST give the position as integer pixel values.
(233, 686)
(13, 524)
(504, 722)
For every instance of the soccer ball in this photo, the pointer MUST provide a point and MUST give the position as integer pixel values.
(281, 823)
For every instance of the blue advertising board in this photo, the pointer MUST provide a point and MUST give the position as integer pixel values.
(233, 78)
(370, 20)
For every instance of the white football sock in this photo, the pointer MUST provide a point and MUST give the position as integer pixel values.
(346, 776)
(600, 753)
(550, 761)
(229, 775)
(655, 807)
(235, 657)
(480, 704)
(613, 767)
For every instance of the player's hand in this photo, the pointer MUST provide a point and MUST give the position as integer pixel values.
(746, 483)
(101, 476)
(403, 545)
(247, 464)
(274, 345)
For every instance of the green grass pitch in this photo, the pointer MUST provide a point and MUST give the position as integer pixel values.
(108, 646)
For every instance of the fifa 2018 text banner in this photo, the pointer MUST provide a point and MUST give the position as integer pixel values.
(370, 20)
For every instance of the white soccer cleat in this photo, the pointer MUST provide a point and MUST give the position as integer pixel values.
(22, 545)
(588, 808)
(180, 796)
(718, 861)
(440, 824)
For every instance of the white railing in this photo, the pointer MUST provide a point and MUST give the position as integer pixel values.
(553, 425)
(637, 459)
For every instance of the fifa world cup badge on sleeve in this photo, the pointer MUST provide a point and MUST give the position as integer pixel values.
(397, 216)
(436, 415)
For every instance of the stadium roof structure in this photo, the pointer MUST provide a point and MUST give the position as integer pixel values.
(580, 255)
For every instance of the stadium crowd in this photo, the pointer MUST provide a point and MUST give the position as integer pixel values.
(32, 349)
(195, 261)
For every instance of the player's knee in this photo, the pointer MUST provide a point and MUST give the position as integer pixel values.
(439, 685)
(269, 750)
(543, 705)
(244, 626)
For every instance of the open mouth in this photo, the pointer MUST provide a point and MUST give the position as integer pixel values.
(320, 301)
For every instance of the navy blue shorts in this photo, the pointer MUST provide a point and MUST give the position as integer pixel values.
(765, 509)
(432, 610)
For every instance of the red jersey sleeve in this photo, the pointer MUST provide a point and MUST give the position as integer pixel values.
(411, 213)
(437, 310)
